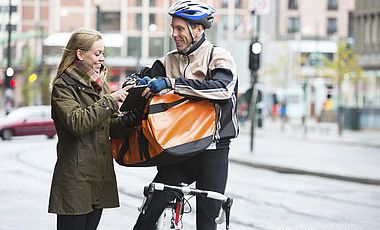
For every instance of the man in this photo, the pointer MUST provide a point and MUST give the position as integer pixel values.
(199, 70)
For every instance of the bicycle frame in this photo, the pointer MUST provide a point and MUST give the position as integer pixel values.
(174, 210)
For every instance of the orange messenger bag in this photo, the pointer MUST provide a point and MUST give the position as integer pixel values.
(173, 129)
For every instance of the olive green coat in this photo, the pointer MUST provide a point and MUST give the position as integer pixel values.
(84, 176)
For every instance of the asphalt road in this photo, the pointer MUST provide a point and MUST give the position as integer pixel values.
(263, 199)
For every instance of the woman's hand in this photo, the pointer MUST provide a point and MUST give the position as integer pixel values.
(121, 94)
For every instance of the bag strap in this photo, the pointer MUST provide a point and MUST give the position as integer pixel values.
(209, 61)
(161, 107)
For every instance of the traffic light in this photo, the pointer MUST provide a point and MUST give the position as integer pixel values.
(255, 49)
(12, 83)
(9, 81)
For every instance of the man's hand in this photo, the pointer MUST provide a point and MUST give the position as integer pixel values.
(144, 81)
(158, 84)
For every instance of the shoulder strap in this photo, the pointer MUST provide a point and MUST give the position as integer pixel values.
(209, 61)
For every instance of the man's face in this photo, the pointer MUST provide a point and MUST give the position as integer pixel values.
(180, 33)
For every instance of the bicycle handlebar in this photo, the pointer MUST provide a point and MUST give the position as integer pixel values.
(186, 190)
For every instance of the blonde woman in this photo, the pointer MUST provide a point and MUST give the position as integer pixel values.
(83, 111)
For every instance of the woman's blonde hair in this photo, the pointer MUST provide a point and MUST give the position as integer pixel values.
(83, 39)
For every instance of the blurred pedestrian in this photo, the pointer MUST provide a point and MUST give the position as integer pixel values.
(274, 107)
(84, 179)
(283, 115)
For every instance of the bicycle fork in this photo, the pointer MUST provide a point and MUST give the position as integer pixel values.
(171, 217)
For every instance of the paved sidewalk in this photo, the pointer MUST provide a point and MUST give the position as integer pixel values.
(284, 150)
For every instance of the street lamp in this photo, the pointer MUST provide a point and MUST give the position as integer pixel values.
(255, 50)
(98, 14)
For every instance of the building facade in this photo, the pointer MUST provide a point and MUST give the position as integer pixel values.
(367, 44)
(136, 32)
(305, 33)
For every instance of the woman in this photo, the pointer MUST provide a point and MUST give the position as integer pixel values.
(83, 112)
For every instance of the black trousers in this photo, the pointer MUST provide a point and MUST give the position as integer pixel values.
(88, 221)
(208, 169)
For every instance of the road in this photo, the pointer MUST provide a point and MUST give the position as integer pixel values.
(263, 200)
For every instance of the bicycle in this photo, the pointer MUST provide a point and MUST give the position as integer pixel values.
(171, 217)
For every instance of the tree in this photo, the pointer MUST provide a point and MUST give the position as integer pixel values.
(344, 62)
(45, 86)
(27, 87)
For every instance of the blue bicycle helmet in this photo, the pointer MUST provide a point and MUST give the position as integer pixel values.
(193, 11)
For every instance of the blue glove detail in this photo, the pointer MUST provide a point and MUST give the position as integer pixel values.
(144, 81)
(156, 85)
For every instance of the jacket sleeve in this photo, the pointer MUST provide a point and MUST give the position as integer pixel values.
(77, 118)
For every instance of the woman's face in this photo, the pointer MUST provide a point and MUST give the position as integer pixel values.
(95, 56)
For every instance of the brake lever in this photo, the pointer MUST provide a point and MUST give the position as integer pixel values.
(148, 194)
(225, 213)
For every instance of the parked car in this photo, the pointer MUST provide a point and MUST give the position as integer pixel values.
(29, 120)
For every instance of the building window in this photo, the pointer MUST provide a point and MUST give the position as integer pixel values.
(224, 21)
(224, 3)
(134, 47)
(331, 26)
(238, 4)
(110, 21)
(13, 9)
(332, 5)
(237, 21)
(138, 24)
(152, 19)
(134, 2)
(156, 47)
(293, 24)
(293, 4)
(350, 24)
(5, 9)
(152, 3)
(13, 27)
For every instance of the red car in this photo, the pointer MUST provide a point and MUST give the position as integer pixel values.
(29, 120)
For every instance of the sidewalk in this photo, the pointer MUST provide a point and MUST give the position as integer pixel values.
(297, 150)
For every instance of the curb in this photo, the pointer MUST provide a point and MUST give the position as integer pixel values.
(326, 140)
(288, 170)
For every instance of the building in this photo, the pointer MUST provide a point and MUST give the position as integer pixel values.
(136, 32)
(366, 27)
(301, 34)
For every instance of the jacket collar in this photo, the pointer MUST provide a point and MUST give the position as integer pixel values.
(196, 45)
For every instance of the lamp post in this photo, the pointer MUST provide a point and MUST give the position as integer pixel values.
(255, 50)
(9, 72)
(9, 28)
(98, 15)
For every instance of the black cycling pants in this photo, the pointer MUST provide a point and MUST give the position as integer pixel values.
(208, 169)
(88, 221)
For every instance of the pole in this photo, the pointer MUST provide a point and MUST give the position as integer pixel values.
(98, 17)
(253, 108)
(9, 35)
(8, 93)
(254, 80)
